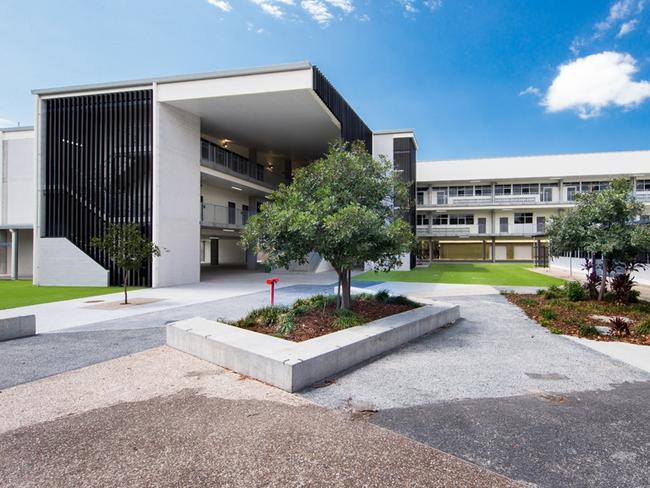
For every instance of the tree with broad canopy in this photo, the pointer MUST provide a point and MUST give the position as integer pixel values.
(604, 222)
(347, 207)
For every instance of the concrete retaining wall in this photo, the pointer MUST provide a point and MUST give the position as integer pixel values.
(293, 366)
(16, 327)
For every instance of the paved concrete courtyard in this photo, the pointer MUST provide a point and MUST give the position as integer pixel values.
(99, 401)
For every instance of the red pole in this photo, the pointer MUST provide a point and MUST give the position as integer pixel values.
(272, 293)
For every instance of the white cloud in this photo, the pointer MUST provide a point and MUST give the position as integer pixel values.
(317, 10)
(222, 5)
(627, 27)
(531, 90)
(592, 83)
(270, 6)
(433, 4)
(408, 6)
(345, 5)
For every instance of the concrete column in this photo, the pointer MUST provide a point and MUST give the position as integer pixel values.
(484, 251)
(430, 250)
(14, 254)
(493, 249)
(251, 257)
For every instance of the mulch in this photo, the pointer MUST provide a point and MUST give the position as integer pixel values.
(321, 322)
(570, 315)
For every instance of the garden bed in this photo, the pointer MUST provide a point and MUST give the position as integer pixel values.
(317, 316)
(579, 318)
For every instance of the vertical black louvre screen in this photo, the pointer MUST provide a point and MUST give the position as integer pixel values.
(98, 169)
(404, 160)
(352, 127)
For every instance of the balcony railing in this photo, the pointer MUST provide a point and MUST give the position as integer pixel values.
(220, 159)
(227, 217)
(478, 201)
(475, 231)
(643, 196)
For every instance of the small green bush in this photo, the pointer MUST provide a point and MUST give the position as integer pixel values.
(382, 296)
(554, 291)
(633, 296)
(266, 316)
(643, 307)
(574, 291)
(587, 330)
(548, 314)
(555, 330)
(529, 302)
(346, 319)
(643, 327)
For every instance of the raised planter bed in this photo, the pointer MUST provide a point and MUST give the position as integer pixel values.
(293, 366)
(17, 327)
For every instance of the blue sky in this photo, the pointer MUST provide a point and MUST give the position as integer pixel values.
(474, 78)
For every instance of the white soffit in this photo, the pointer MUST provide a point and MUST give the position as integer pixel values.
(608, 164)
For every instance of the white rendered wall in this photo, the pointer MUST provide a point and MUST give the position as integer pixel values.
(64, 264)
(176, 198)
(18, 184)
(230, 252)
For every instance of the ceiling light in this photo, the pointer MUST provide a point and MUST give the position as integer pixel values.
(228, 230)
(236, 188)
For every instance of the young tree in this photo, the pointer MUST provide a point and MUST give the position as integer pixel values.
(128, 248)
(347, 207)
(602, 222)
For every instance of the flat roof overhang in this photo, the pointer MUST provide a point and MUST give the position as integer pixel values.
(272, 112)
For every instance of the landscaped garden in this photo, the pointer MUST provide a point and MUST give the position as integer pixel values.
(20, 293)
(316, 316)
(504, 274)
(570, 310)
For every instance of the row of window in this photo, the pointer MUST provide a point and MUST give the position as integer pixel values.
(468, 219)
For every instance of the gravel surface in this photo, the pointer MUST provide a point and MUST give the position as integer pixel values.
(32, 358)
(589, 439)
(494, 351)
(161, 418)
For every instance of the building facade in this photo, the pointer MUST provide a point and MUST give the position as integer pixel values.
(17, 198)
(188, 159)
(497, 209)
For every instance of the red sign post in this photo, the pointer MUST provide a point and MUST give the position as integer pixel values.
(272, 282)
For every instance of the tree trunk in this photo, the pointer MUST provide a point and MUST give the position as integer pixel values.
(126, 284)
(603, 280)
(346, 302)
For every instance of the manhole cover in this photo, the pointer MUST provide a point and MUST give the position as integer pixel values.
(547, 376)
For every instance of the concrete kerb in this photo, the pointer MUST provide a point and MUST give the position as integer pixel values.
(17, 327)
(293, 366)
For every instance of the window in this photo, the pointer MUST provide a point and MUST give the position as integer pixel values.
(523, 218)
(503, 189)
(244, 214)
(232, 213)
(461, 191)
(546, 193)
(420, 196)
(440, 219)
(461, 220)
(642, 185)
(422, 219)
(594, 185)
(483, 190)
(525, 189)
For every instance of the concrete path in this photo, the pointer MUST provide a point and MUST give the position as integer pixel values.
(501, 391)
(633, 354)
(162, 418)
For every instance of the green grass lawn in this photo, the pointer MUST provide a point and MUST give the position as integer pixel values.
(507, 274)
(20, 293)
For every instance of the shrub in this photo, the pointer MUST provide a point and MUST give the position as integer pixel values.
(346, 319)
(382, 296)
(554, 291)
(619, 326)
(643, 327)
(621, 286)
(548, 314)
(587, 330)
(555, 330)
(643, 307)
(633, 297)
(529, 302)
(266, 316)
(592, 285)
(574, 291)
(401, 300)
(286, 324)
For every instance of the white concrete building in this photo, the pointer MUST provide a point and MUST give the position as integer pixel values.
(17, 201)
(496, 209)
(187, 158)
